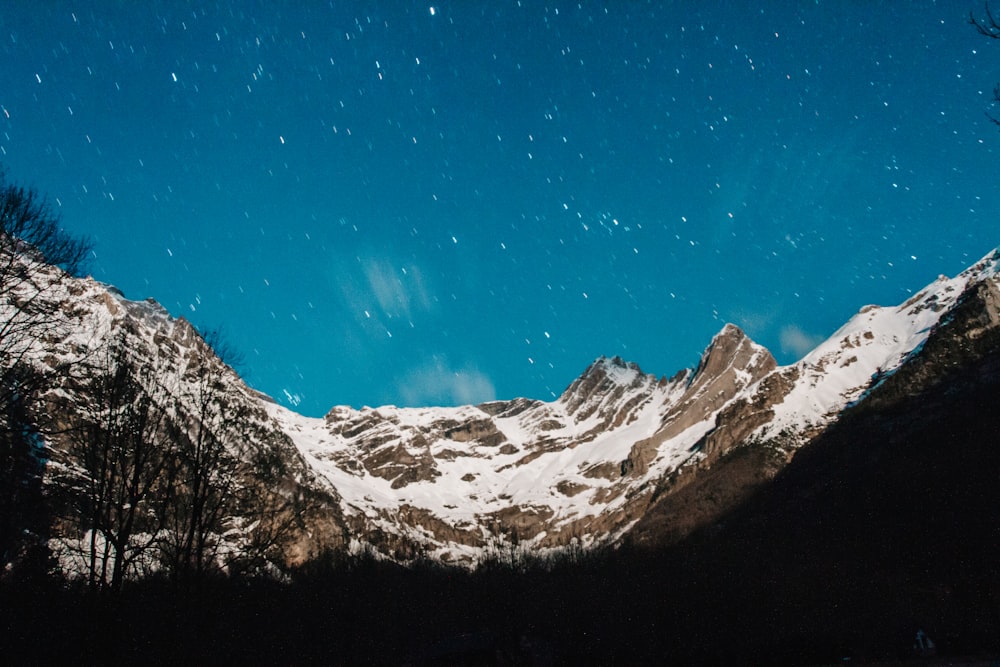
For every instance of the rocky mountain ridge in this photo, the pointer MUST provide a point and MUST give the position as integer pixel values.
(588, 468)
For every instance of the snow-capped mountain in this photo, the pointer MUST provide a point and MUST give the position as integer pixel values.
(584, 469)
(541, 473)
(587, 465)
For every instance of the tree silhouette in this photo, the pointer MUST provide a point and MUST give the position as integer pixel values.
(208, 466)
(36, 256)
(23, 523)
(121, 441)
(988, 27)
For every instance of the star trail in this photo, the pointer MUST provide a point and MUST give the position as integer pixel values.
(443, 203)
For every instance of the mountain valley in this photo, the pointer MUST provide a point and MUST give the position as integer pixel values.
(735, 487)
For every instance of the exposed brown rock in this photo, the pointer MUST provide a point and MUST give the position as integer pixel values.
(741, 418)
(731, 363)
(524, 521)
(524, 460)
(408, 515)
(601, 525)
(482, 430)
(692, 498)
(399, 465)
(451, 454)
(608, 470)
(568, 488)
(510, 408)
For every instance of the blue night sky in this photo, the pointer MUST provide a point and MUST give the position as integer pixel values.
(449, 202)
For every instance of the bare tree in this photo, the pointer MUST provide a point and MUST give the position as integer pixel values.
(988, 26)
(228, 512)
(216, 339)
(208, 462)
(121, 439)
(32, 243)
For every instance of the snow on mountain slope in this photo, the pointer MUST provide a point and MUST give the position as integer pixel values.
(871, 345)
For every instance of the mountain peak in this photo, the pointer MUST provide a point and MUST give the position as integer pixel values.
(986, 267)
(730, 330)
(731, 347)
(613, 365)
(608, 372)
(605, 377)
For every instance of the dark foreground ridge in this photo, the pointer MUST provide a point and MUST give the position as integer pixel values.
(886, 526)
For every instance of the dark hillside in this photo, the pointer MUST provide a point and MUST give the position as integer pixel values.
(887, 524)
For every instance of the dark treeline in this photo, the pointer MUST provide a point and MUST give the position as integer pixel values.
(625, 607)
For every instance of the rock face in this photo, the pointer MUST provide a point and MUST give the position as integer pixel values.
(728, 367)
(621, 454)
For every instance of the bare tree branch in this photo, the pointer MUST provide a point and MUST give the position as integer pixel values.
(36, 256)
(987, 27)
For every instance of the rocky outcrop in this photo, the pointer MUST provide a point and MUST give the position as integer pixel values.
(484, 431)
(742, 417)
(731, 363)
(609, 394)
